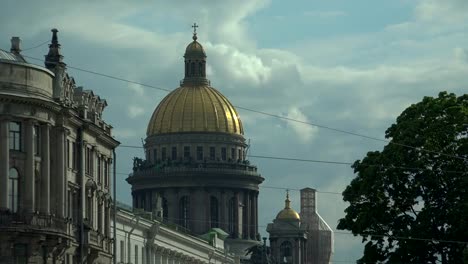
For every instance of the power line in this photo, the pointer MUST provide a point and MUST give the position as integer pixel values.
(323, 161)
(267, 114)
(335, 232)
(264, 186)
(37, 46)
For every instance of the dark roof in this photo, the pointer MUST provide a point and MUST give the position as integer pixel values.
(5, 55)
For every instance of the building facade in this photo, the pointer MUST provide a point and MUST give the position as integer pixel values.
(303, 238)
(55, 154)
(195, 173)
(143, 240)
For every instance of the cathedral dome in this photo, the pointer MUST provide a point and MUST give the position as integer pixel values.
(195, 106)
(195, 109)
(288, 213)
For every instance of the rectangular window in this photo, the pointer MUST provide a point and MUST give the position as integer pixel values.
(69, 154)
(186, 152)
(155, 155)
(199, 153)
(212, 153)
(223, 153)
(233, 153)
(136, 254)
(122, 251)
(99, 168)
(239, 154)
(37, 140)
(15, 136)
(99, 224)
(174, 153)
(74, 156)
(106, 172)
(163, 153)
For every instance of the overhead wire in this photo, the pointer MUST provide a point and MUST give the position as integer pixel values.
(265, 113)
(324, 161)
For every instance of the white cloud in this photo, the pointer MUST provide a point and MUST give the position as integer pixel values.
(135, 111)
(305, 132)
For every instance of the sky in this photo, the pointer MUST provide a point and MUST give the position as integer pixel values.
(350, 65)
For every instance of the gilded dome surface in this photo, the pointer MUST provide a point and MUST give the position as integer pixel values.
(194, 49)
(195, 109)
(288, 213)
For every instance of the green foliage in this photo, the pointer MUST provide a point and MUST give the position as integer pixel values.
(404, 192)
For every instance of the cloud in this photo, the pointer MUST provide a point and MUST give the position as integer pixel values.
(135, 111)
(324, 14)
(304, 132)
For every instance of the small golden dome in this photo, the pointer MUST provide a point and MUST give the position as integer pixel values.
(288, 213)
(195, 49)
(195, 109)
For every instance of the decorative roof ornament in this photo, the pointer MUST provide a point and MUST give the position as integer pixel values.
(54, 58)
(194, 26)
(287, 202)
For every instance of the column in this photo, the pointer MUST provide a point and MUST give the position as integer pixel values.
(45, 169)
(4, 163)
(255, 205)
(60, 174)
(28, 197)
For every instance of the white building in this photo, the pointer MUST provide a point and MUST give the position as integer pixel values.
(143, 240)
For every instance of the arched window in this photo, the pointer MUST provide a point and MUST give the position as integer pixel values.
(231, 215)
(192, 68)
(184, 211)
(165, 212)
(214, 215)
(13, 194)
(200, 69)
(285, 250)
(186, 69)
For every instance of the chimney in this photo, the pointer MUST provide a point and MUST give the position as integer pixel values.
(15, 45)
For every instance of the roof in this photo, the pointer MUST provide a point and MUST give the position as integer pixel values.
(195, 109)
(5, 55)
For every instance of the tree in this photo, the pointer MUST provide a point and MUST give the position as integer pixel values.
(416, 187)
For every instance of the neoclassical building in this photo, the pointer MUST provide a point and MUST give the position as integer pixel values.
(303, 238)
(55, 154)
(195, 173)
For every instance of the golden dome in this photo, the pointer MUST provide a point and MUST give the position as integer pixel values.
(288, 213)
(195, 49)
(199, 108)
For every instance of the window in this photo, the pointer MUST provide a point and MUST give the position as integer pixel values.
(231, 216)
(74, 156)
(122, 251)
(223, 154)
(285, 250)
(106, 172)
(163, 153)
(214, 212)
(187, 152)
(192, 68)
(186, 69)
(99, 213)
(212, 153)
(165, 212)
(13, 190)
(174, 153)
(68, 149)
(20, 253)
(155, 155)
(233, 153)
(184, 211)
(37, 141)
(99, 170)
(199, 153)
(200, 69)
(239, 154)
(136, 254)
(15, 136)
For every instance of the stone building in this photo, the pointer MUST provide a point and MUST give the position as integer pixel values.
(303, 238)
(195, 173)
(55, 154)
